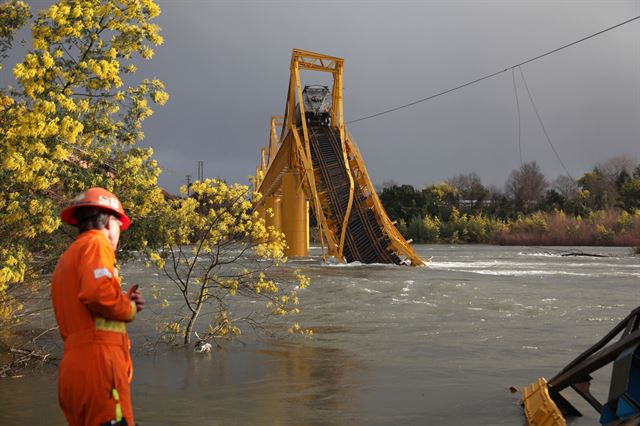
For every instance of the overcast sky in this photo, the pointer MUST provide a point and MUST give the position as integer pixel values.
(226, 67)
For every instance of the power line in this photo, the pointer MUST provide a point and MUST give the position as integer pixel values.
(544, 129)
(477, 80)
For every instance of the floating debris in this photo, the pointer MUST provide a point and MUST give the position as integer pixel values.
(202, 347)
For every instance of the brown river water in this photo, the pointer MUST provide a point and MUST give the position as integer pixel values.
(438, 345)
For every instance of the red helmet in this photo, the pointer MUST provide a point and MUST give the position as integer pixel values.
(96, 197)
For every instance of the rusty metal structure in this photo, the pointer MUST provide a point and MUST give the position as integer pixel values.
(544, 405)
(312, 161)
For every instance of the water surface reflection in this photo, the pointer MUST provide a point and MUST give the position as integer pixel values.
(273, 384)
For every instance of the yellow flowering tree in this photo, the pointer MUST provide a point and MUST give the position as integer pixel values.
(13, 15)
(71, 122)
(215, 247)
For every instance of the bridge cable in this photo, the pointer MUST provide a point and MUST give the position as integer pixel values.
(544, 129)
(515, 92)
(493, 74)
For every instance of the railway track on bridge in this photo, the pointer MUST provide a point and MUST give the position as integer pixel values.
(365, 240)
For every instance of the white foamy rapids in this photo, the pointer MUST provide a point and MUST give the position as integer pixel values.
(453, 266)
(520, 273)
(539, 254)
(408, 283)
(408, 301)
(509, 268)
(498, 263)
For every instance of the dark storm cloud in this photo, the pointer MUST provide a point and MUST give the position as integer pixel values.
(226, 66)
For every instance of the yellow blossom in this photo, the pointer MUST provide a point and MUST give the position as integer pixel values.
(146, 52)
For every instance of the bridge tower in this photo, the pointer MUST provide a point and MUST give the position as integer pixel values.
(315, 163)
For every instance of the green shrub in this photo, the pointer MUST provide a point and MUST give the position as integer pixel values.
(432, 228)
(416, 230)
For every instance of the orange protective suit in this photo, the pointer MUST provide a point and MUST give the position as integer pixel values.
(91, 310)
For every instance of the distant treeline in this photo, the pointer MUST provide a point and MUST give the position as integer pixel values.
(602, 207)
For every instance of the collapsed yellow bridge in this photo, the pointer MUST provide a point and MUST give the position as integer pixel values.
(312, 159)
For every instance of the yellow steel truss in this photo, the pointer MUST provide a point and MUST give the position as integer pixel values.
(291, 151)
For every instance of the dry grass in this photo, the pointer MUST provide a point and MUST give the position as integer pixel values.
(606, 228)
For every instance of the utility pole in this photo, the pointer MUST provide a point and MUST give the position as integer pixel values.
(188, 184)
(200, 171)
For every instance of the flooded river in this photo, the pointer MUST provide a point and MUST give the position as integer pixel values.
(439, 345)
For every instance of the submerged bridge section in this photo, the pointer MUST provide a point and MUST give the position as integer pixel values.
(365, 240)
(312, 161)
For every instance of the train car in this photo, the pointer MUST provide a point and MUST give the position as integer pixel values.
(317, 105)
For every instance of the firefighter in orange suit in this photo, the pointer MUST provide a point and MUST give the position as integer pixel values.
(91, 310)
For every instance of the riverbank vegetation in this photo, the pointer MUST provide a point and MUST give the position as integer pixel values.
(599, 208)
(73, 121)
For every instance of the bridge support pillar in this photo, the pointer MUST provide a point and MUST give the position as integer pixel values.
(295, 215)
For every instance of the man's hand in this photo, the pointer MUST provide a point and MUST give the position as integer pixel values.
(136, 297)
